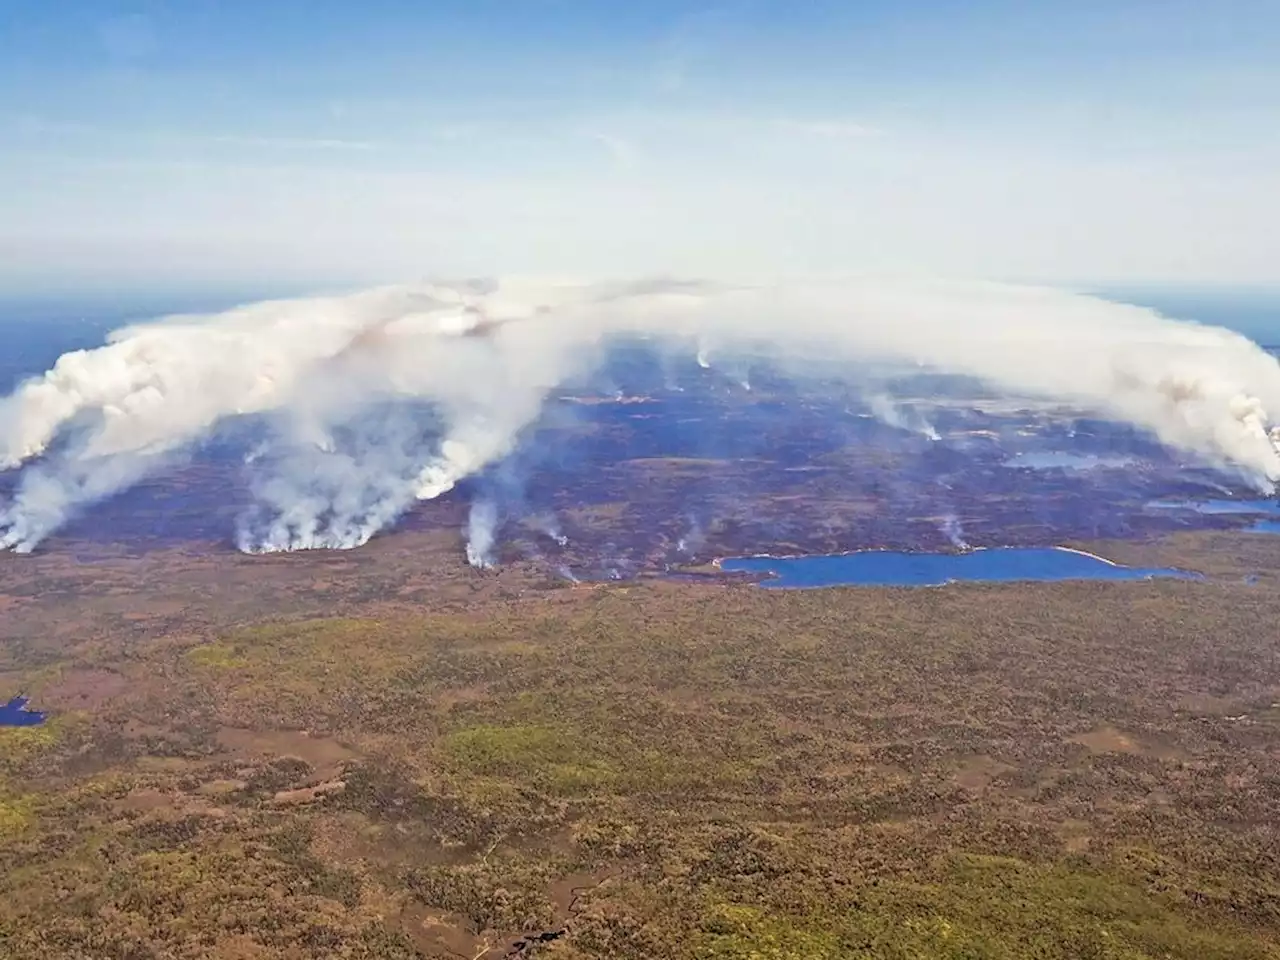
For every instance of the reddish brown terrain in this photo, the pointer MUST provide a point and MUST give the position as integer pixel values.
(384, 753)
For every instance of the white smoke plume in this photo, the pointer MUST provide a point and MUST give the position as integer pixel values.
(693, 539)
(887, 411)
(951, 529)
(482, 528)
(51, 493)
(482, 358)
(735, 367)
(548, 525)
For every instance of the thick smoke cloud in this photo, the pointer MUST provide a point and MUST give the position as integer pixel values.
(349, 382)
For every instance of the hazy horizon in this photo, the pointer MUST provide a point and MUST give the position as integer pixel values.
(1252, 311)
(305, 146)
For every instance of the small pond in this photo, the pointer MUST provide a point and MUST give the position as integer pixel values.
(15, 714)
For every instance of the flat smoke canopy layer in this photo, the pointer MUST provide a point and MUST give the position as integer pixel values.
(485, 356)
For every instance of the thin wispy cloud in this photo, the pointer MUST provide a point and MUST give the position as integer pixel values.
(831, 129)
(56, 128)
(623, 152)
(292, 143)
(456, 131)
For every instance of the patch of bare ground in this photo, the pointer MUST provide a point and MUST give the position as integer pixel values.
(221, 788)
(567, 891)
(976, 773)
(303, 795)
(161, 805)
(1108, 740)
(325, 754)
(353, 837)
(154, 611)
(1077, 835)
(238, 947)
(447, 700)
(439, 934)
(83, 689)
(147, 800)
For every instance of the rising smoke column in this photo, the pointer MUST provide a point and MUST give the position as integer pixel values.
(332, 484)
(483, 358)
(951, 529)
(51, 492)
(901, 416)
(482, 530)
(549, 526)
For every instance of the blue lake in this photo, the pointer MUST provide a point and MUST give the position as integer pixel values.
(1268, 510)
(15, 714)
(883, 568)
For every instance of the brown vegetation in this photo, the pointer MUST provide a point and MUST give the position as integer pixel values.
(485, 766)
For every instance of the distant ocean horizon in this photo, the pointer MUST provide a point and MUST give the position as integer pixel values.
(1252, 311)
(40, 328)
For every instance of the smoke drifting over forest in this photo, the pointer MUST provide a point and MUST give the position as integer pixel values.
(376, 400)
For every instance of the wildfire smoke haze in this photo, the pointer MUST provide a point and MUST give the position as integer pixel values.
(393, 395)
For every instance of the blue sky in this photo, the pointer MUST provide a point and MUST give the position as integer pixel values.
(203, 144)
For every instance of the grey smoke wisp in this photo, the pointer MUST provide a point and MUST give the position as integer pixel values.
(549, 526)
(482, 529)
(901, 416)
(951, 529)
(346, 381)
(330, 478)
